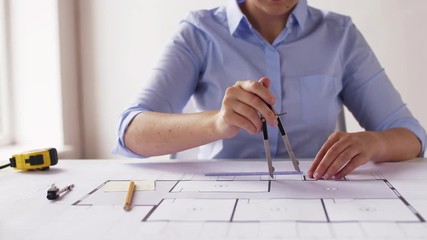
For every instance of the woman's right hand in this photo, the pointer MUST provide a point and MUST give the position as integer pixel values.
(241, 106)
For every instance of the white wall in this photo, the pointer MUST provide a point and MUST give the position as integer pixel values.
(120, 41)
(395, 30)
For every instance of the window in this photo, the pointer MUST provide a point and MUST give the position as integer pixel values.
(5, 136)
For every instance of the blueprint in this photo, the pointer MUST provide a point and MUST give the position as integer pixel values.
(264, 200)
(198, 205)
(214, 199)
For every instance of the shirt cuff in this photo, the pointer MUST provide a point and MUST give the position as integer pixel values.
(419, 133)
(121, 149)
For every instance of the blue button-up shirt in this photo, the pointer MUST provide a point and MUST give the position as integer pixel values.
(319, 62)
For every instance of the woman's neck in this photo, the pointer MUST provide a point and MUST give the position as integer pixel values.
(268, 25)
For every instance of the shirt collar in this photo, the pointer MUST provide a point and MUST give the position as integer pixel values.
(235, 15)
(300, 13)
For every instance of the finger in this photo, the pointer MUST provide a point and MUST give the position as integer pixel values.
(356, 162)
(331, 156)
(341, 161)
(257, 88)
(233, 104)
(241, 122)
(317, 160)
(332, 139)
(265, 81)
(246, 94)
(313, 166)
(252, 123)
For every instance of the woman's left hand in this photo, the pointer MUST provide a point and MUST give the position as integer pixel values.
(342, 153)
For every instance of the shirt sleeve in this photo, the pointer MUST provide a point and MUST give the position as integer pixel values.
(368, 92)
(172, 81)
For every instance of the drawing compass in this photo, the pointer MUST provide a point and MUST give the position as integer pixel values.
(285, 140)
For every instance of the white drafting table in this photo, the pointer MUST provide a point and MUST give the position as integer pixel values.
(377, 201)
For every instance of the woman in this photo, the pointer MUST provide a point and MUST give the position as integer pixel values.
(233, 60)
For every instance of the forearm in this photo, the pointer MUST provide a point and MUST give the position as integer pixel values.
(396, 144)
(151, 133)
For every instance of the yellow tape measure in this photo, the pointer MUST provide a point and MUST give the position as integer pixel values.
(40, 159)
